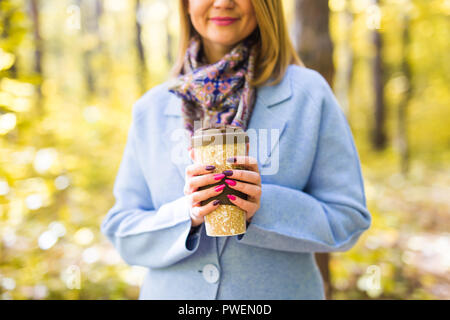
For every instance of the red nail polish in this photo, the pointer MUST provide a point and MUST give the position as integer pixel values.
(219, 188)
(231, 197)
(219, 176)
(230, 182)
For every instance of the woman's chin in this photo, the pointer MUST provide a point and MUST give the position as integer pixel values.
(224, 39)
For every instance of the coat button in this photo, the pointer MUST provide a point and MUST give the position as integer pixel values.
(211, 273)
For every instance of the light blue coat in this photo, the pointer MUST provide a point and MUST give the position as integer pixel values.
(315, 202)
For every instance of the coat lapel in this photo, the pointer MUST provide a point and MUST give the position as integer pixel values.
(265, 116)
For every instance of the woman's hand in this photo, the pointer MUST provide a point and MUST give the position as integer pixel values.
(196, 176)
(252, 186)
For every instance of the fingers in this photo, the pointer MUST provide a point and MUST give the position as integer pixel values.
(245, 205)
(246, 175)
(252, 190)
(202, 195)
(199, 212)
(197, 169)
(195, 182)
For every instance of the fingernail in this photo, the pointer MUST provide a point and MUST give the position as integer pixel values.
(216, 202)
(230, 182)
(219, 176)
(227, 172)
(210, 167)
(219, 188)
(231, 197)
(232, 159)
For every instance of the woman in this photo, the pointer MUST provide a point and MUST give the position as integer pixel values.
(313, 202)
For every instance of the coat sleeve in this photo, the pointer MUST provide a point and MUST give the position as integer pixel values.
(330, 213)
(143, 235)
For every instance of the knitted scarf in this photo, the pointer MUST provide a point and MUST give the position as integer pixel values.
(217, 93)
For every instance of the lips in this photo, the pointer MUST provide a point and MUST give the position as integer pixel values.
(223, 21)
(223, 18)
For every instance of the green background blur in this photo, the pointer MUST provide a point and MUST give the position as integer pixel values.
(69, 74)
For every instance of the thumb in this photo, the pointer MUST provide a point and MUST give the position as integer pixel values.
(191, 153)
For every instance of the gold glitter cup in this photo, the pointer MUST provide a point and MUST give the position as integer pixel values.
(212, 146)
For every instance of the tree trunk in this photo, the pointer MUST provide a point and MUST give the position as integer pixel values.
(402, 116)
(7, 33)
(91, 13)
(314, 43)
(378, 131)
(170, 39)
(142, 67)
(315, 48)
(344, 74)
(38, 50)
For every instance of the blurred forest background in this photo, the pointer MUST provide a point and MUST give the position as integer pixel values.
(70, 71)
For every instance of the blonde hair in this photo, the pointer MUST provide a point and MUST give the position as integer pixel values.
(275, 49)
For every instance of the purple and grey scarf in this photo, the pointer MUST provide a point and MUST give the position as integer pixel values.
(217, 93)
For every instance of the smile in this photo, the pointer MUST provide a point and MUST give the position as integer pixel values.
(223, 22)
